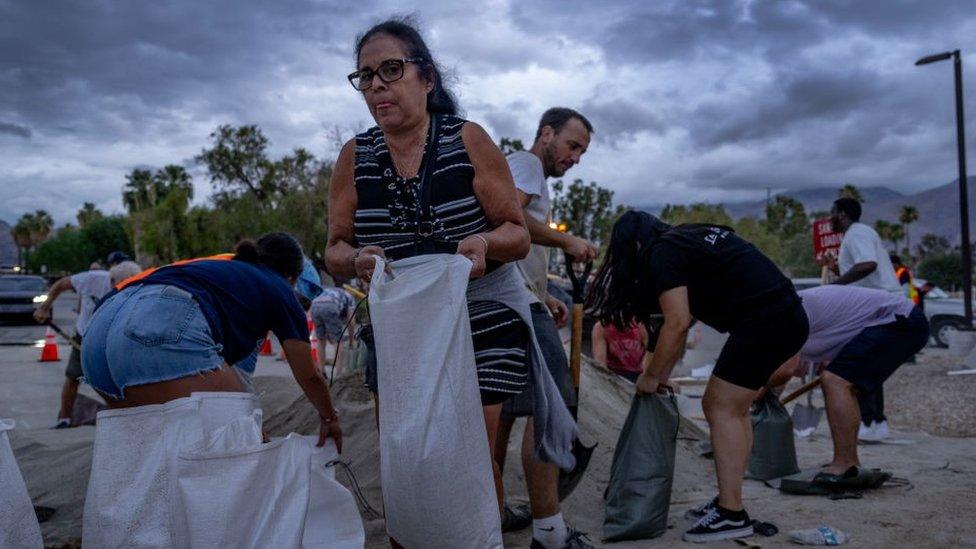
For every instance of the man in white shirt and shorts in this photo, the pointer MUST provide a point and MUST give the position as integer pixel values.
(563, 136)
(863, 261)
(91, 286)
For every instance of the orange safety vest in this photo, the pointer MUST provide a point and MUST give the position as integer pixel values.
(151, 270)
(912, 290)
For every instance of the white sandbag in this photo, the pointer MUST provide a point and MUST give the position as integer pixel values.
(18, 523)
(131, 487)
(220, 409)
(436, 471)
(278, 494)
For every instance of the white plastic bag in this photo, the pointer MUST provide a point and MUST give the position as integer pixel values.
(18, 523)
(436, 471)
(279, 494)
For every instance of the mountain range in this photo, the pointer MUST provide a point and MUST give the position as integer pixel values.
(938, 207)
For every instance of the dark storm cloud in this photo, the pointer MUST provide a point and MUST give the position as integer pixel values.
(613, 120)
(686, 94)
(15, 129)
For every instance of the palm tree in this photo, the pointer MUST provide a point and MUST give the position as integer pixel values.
(907, 216)
(138, 193)
(171, 178)
(889, 232)
(22, 236)
(850, 191)
(87, 214)
(40, 227)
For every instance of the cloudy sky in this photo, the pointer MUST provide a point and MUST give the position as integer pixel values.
(691, 100)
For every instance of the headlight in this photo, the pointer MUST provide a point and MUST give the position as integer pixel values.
(40, 298)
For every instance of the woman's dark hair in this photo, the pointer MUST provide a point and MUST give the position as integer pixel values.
(621, 292)
(279, 252)
(440, 100)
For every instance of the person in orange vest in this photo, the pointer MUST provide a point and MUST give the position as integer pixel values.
(906, 279)
(184, 328)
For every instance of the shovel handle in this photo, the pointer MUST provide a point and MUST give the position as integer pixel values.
(576, 345)
(805, 388)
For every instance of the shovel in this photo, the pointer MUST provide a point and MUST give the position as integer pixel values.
(805, 416)
(569, 480)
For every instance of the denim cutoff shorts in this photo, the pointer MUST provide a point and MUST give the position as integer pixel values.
(147, 334)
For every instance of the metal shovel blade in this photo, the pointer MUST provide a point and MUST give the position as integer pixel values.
(806, 417)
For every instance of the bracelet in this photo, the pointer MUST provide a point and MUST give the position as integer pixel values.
(483, 239)
(355, 256)
(331, 419)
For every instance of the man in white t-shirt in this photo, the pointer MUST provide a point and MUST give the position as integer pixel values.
(563, 136)
(863, 261)
(91, 286)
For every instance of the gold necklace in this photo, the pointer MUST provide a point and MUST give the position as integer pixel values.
(412, 160)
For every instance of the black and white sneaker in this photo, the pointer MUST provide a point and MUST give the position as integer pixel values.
(701, 510)
(719, 524)
(574, 540)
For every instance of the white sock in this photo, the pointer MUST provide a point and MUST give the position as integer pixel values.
(550, 531)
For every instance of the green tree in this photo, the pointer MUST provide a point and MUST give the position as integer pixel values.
(850, 191)
(585, 208)
(907, 216)
(786, 216)
(943, 270)
(932, 246)
(172, 178)
(889, 232)
(238, 161)
(22, 237)
(676, 214)
(87, 214)
(508, 145)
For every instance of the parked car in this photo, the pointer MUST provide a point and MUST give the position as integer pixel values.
(945, 313)
(21, 294)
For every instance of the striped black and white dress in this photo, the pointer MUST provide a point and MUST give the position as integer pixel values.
(387, 216)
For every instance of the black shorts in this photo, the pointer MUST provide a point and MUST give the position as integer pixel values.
(758, 348)
(875, 353)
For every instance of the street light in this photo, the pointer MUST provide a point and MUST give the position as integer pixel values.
(967, 253)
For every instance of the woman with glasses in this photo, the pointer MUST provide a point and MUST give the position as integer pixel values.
(189, 327)
(380, 207)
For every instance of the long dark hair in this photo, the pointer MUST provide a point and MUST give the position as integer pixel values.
(440, 100)
(279, 252)
(621, 292)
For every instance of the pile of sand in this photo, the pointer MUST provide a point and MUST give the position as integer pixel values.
(942, 472)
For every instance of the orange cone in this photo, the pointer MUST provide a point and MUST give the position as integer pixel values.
(266, 347)
(313, 339)
(50, 351)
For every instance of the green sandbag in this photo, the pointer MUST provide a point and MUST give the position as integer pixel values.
(639, 492)
(773, 449)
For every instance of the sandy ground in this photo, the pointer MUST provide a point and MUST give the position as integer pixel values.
(931, 413)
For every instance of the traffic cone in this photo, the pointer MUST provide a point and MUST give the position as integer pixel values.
(313, 340)
(50, 351)
(266, 347)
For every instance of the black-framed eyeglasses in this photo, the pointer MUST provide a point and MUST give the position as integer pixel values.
(390, 70)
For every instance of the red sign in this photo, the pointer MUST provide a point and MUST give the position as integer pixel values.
(825, 240)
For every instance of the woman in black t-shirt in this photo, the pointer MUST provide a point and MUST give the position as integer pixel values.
(708, 273)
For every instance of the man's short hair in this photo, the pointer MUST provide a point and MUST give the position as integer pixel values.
(849, 206)
(557, 117)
